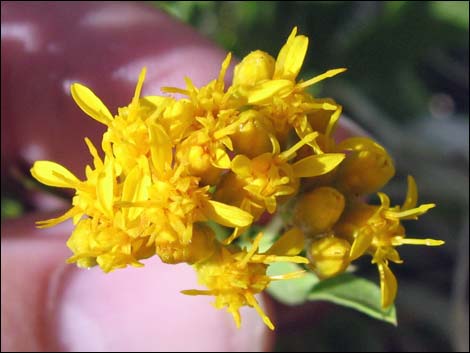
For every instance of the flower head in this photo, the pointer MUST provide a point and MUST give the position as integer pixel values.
(173, 172)
(234, 277)
(377, 230)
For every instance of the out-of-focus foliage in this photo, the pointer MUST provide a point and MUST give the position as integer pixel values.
(11, 207)
(407, 85)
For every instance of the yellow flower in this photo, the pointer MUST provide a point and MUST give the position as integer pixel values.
(204, 151)
(94, 196)
(235, 277)
(280, 97)
(173, 201)
(257, 184)
(127, 135)
(170, 170)
(377, 230)
(270, 175)
(106, 245)
(211, 98)
(139, 193)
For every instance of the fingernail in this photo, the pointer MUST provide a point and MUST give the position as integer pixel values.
(142, 309)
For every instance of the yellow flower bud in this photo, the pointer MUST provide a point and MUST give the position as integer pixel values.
(230, 190)
(200, 165)
(317, 211)
(354, 217)
(255, 67)
(252, 137)
(329, 256)
(366, 169)
(202, 246)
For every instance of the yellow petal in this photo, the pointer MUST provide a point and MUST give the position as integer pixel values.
(384, 200)
(223, 69)
(135, 189)
(393, 255)
(175, 90)
(411, 194)
(317, 165)
(360, 245)
(250, 298)
(253, 250)
(196, 292)
(160, 148)
(291, 243)
(138, 87)
(294, 58)
(333, 120)
(54, 221)
(327, 74)
(283, 53)
(53, 174)
(236, 316)
(90, 104)
(291, 275)
(388, 285)
(241, 165)
(227, 215)
(411, 241)
(411, 213)
(291, 152)
(98, 163)
(222, 160)
(264, 91)
(105, 188)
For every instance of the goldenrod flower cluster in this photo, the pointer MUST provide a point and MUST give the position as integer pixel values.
(170, 169)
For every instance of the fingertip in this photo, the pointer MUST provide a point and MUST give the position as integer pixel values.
(30, 263)
(142, 309)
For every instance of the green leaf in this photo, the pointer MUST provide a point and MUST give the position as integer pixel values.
(353, 292)
(292, 291)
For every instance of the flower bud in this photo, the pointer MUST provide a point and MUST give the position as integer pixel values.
(366, 169)
(231, 191)
(200, 165)
(329, 256)
(252, 137)
(202, 246)
(317, 211)
(255, 67)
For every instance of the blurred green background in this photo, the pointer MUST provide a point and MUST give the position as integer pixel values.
(407, 85)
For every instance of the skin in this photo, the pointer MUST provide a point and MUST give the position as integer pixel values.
(50, 306)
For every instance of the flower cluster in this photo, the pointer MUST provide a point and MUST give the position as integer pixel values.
(170, 171)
